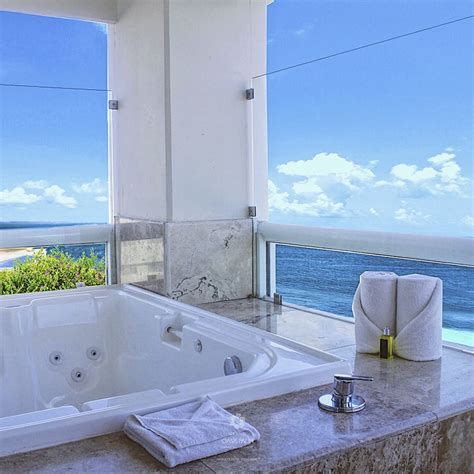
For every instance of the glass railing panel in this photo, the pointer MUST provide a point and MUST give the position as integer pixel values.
(53, 157)
(326, 281)
(53, 121)
(59, 52)
(53, 154)
(140, 253)
(299, 30)
(375, 138)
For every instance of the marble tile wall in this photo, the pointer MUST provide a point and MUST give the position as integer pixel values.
(408, 452)
(442, 447)
(456, 440)
(193, 262)
(208, 261)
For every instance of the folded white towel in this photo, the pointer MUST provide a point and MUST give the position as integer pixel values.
(419, 318)
(188, 432)
(374, 308)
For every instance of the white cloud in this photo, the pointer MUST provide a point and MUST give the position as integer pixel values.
(325, 184)
(412, 174)
(332, 185)
(58, 195)
(327, 173)
(394, 184)
(308, 186)
(96, 186)
(410, 216)
(18, 195)
(442, 157)
(39, 184)
(469, 221)
(101, 198)
(442, 177)
(303, 30)
(330, 165)
(373, 212)
(320, 205)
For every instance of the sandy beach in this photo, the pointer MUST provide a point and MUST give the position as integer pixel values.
(12, 254)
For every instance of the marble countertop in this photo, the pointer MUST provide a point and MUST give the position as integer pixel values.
(404, 395)
(445, 387)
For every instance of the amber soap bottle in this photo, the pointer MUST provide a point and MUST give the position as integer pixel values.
(386, 344)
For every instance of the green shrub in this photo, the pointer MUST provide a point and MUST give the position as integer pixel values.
(53, 271)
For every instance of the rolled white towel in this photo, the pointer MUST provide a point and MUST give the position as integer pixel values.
(374, 308)
(419, 318)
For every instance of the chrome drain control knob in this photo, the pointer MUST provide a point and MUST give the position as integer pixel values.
(232, 365)
(342, 399)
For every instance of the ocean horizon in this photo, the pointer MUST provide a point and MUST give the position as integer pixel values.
(32, 224)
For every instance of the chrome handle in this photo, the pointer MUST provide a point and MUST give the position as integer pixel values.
(350, 378)
(343, 384)
(342, 398)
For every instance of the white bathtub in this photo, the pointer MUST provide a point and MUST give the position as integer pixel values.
(74, 364)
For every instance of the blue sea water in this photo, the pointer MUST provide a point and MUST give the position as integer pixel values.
(33, 224)
(75, 251)
(326, 280)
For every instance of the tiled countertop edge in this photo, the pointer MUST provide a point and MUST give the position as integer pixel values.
(455, 409)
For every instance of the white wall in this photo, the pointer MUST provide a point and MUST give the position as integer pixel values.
(210, 68)
(137, 80)
(94, 10)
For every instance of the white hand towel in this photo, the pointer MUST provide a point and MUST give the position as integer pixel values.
(419, 318)
(188, 432)
(374, 308)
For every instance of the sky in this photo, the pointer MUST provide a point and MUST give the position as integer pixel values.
(378, 139)
(53, 143)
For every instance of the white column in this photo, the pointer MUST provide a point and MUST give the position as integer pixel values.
(187, 145)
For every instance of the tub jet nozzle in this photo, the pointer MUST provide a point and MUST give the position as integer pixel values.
(78, 375)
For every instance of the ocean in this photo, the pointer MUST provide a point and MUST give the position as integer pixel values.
(326, 280)
(75, 251)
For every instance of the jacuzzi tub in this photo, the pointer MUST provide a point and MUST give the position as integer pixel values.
(74, 364)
